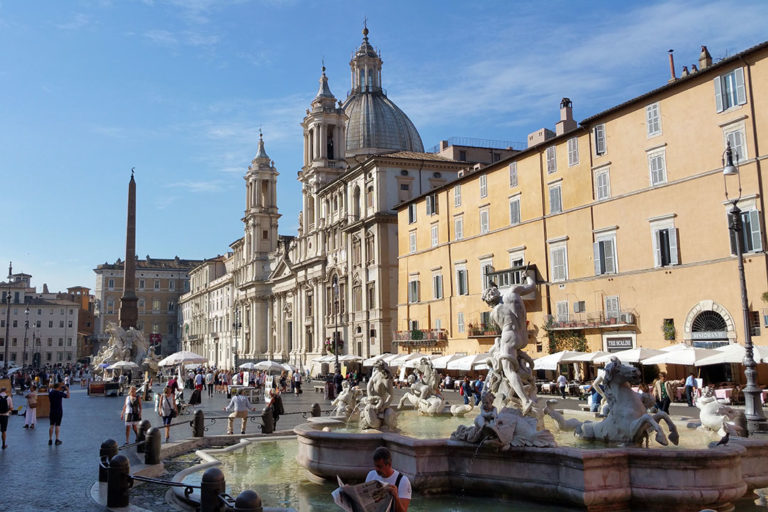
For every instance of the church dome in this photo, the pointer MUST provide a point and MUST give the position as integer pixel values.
(375, 124)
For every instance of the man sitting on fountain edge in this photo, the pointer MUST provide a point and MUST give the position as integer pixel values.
(397, 483)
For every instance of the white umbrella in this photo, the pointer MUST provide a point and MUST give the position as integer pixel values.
(288, 367)
(634, 355)
(676, 346)
(372, 360)
(734, 353)
(401, 359)
(685, 357)
(123, 365)
(350, 358)
(182, 357)
(269, 366)
(552, 361)
(469, 362)
(413, 363)
(441, 362)
(585, 357)
(248, 366)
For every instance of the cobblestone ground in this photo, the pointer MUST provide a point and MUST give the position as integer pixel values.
(37, 477)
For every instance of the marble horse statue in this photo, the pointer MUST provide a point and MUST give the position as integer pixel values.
(375, 409)
(424, 394)
(627, 421)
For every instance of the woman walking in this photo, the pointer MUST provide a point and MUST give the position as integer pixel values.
(131, 413)
(30, 420)
(166, 408)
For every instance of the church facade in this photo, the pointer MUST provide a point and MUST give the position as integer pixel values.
(333, 285)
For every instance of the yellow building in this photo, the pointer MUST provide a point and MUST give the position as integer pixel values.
(623, 219)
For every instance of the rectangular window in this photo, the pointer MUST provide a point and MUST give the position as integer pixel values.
(573, 151)
(514, 210)
(431, 201)
(730, 90)
(558, 256)
(460, 322)
(486, 267)
(600, 146)
(605, 255)
(437, 286)
(602, 184)
(562, 311)
(434, 231)
(484, 221)
(555, 199)
(665, 242)
(612, 307)
(141, 284)
(657, 167)
(483, 185)
(457, 195)
(735, 136)
(155, 305)
(461, 281)
(458, 227)
(652, 120)
(404, 187)
(412, 241)
(551, 159)
(413, 291)
(157, 284)
(751, 241)
(462, 155)
(111, 284)
(171, 306)
(411, 213)
(171, 284)
(513, 174)
(754, 323)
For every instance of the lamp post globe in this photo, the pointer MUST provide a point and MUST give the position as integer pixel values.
(753, 408)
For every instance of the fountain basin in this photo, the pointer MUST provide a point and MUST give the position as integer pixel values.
(609, 479)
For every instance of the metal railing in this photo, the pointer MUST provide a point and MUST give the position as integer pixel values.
(592, 320)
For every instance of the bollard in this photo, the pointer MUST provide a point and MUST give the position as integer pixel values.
(152, 451)
(198, 424)
(211, 486)
(267, 421)
(119, 482)
(141, 435)
(315, 411)
(106, 452)
(248, 501)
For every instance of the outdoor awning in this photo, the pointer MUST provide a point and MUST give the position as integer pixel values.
(372, 360)
(553, 361)
(441, 362)
(401, 359)
(584, 357)
(734, 353)
(685, 357)
(634, 355)
(471, 362)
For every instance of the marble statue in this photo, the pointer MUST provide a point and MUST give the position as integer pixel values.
(627, 420)
(424, 392)
(347, 401)
(461, 409)
(720, 417)
(122, 345)
(504, 429)
(512, 365)
(375, 409)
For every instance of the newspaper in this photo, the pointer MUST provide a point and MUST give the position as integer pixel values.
(366, 497)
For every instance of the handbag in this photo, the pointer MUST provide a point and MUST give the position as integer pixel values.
(174, 413)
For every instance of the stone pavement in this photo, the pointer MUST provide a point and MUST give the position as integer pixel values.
(35, 476)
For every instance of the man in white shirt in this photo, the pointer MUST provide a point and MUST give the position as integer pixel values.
(209, 383)
(240, 407)
(690, 385)
(396, 483)
(562, 383)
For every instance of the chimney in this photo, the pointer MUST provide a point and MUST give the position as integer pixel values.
(694, 69)
(566, 123)
(672, 76)
(684, 73)
(705, 59)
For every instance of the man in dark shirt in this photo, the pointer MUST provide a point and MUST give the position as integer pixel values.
(55, 396)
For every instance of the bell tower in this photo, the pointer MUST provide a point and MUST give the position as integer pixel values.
(324, 146)
(260, 210)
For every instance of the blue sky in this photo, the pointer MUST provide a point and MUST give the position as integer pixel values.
(179, 89)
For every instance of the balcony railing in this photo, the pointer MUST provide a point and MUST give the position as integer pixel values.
(483, 330)
(595, 320)
(421, 337)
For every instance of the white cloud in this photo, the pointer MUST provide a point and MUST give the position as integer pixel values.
(77, 22)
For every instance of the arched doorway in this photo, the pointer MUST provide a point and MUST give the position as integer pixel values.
(710, 330)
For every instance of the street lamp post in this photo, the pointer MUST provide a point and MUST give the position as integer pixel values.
(236, 326)
(336, 306)
(7, 322)
(753, 408)
(26, 328)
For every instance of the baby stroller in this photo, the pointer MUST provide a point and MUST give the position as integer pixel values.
(181, 405)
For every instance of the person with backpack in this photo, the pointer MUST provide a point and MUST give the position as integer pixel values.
(396, 483)
(6, 404)
(466, 389)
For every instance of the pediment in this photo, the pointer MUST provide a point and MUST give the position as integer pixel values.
(282, 270)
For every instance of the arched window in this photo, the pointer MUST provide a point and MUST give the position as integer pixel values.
(356, 204)
(709, 330)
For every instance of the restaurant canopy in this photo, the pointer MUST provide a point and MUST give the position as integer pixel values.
(553, 361)
(685, 356)
(634, 355)
(584, 357)
(470, 362)
(734, 353)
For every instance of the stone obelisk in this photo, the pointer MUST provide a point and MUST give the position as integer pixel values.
(129, 311)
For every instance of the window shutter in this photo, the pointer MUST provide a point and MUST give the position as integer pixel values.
(596, 256)
(718, 94)
(612, 307)
(673, 260)
(741, 94)
(599, 139)
(610, 259)
(754, 224)
(649, 120)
